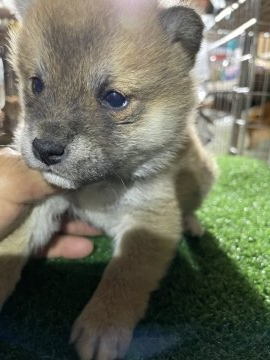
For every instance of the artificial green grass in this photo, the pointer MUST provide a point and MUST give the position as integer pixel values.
(214, 304)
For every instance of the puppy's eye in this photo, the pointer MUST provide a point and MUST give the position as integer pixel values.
(37, 85)
(115, 100)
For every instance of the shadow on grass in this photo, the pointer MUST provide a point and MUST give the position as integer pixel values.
(204, 309)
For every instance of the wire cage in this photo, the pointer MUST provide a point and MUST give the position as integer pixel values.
(9, 104)
(237, 102)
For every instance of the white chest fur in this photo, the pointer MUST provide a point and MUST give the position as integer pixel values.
(96, 204)
(113, 207)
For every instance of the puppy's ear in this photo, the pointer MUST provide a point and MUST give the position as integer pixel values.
(184, 25)
(20, 7)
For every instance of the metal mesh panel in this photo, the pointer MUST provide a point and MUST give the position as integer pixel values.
(239, 81)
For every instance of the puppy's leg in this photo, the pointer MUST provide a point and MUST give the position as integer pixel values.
(14, 253)
(35, 231)
(104, 329)
(190, 193)
(107, 322)
(196, 175)
(192, 225)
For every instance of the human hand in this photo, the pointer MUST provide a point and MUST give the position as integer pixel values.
(71, 243)
(19, 188)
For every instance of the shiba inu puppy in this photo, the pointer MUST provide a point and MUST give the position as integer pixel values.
(258, 125)
(9, 119)
(107, 109)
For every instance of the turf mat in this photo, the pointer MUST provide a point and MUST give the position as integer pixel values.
(213, 304)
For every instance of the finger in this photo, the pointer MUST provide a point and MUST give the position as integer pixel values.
(69, 247)
(27, 185)
(38, 187)
(76, 227)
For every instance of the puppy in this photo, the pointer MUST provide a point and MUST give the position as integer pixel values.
(107, 110)
(258, 125)
(9, 117)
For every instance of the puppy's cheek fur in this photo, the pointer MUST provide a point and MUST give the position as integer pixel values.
(59, 181)
(83, 164)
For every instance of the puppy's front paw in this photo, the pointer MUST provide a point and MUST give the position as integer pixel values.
(192, 226)
(102, 333)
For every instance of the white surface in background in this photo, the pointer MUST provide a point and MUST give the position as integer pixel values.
(6, 3)
(219, 4)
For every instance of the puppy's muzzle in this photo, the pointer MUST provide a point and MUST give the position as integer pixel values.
(47, 151)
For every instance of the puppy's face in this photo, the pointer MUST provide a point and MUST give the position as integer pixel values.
(105, 86)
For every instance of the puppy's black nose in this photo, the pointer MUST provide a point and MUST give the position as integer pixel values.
(49, 152)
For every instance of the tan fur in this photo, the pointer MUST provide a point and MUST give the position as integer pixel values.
(12, 111)
(258, 126)
(125, 290)
(9, 119)
(140, 172)
(14, 252)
